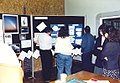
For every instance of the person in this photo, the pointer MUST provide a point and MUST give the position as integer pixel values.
(63, 50)
(10, 68)
(99, 46)
(111, 54)
(44, 40)
(8, 56)
(87, 46)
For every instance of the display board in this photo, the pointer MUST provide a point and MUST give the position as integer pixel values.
(75, 26)
(17, 34)
(25, 42)
(18, 31)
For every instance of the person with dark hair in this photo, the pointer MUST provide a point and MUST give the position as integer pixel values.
(87, 47)
(63, 50)
(111, 54)
(44, 41)
(99, 46)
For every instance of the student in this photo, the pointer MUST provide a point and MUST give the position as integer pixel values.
(44, 41)
(63, 49)
(87, 47)
(99, 46)
(111, 54)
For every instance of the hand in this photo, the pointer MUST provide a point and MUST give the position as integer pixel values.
(106, 58)
(99, 48)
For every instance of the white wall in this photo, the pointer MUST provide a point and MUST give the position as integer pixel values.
(93, 10)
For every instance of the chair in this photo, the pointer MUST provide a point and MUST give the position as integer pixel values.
(10, 74)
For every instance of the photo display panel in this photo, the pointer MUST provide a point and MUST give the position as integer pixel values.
(75, 26)
(25, 43)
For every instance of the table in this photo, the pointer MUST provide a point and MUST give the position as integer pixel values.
(84, 75)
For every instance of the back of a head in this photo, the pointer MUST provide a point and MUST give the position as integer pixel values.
(63, 32)
(47, 29)
(87, 29)
(113, 34)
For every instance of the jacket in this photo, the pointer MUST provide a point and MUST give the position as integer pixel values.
(112, 53)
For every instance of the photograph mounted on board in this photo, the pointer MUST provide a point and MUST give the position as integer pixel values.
(24, 30)
(24, 21)
(10, 23)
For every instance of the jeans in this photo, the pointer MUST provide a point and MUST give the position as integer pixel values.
(98, 70)
(63, 61)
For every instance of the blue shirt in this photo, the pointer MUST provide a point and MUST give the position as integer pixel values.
(87, 44)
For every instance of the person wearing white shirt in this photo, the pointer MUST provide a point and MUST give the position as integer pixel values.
(63, 50)
(44, 41)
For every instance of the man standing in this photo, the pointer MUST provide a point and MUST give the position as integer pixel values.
(44, 41)
(87, 47)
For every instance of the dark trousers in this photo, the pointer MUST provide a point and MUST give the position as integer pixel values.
(87, 62)
(47, 63)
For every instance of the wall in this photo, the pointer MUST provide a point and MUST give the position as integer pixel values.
(33, 7)
(92, 10)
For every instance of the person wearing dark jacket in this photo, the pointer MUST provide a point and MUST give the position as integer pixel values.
(87, 47)
(99, 46)
(111, 54)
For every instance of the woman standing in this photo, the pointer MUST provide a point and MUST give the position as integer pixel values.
(99, 46)
(111, 54)
(63, 49)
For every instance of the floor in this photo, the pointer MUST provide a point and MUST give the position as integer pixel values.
(77, 66)
(38, 77)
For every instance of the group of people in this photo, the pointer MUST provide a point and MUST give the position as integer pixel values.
(63, 50)
(106, 48)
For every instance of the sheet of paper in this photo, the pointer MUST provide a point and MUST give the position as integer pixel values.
(41, 26)
(41, 18)
(79, 29)
(78, 41)
(8, 38)
(29, 54)
(77, 54)
(22, 55)
(71, 30)
(36, 54)
(79, 33)
(72, 39)
(36, 38)
(25, 43)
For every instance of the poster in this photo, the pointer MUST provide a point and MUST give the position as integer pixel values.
(10, 23)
